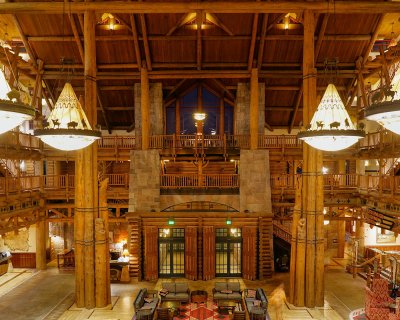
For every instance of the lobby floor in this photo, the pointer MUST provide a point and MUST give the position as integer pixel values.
(26, 294)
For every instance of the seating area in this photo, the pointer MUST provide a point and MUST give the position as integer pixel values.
(175, 291)
(227, 291)
(145, 304)
(256, 303)
(177, 300)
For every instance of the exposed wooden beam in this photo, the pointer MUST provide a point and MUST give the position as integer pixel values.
(252, 42)
(270, 37)
(164, 7)
(321, 36)
(103, 112)
(262, 41)
(225, 90)
(276, 20)
(296, 108)
(145, 41)
(176, 88)
(135, 41)
(186, 18)
(25, 41)
(199, 21)
(77, 37)
(267, 126)
(214, 19)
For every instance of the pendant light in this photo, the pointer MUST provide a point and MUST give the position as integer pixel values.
(387, 111)
(13, 112)
(331, 128)
(67, 127)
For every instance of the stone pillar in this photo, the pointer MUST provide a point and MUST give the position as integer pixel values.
(144, 181)
(255, 187)
(254, 109)
(242, 109)
(156, 117)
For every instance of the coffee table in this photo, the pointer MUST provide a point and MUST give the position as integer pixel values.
(198, 296)
(174, 306)
(224, 306)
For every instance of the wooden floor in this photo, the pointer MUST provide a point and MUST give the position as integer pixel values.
(49, 295)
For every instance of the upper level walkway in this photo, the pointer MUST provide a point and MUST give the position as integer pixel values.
(15, 145)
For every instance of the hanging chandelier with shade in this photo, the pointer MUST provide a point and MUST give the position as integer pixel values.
(385, 107)
(331, 128)
(67, 127)
(13, 112)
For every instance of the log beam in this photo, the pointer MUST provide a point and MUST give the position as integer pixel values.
(345, 7)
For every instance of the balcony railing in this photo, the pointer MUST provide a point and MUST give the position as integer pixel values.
(366, 183)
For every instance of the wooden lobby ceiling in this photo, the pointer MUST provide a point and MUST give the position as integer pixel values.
(238, 35)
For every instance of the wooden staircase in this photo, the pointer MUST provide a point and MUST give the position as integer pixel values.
(282, 232)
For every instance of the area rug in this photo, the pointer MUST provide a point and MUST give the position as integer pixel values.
(200, 311)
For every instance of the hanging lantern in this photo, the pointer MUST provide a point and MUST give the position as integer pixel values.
(67, 126)
(331, 128)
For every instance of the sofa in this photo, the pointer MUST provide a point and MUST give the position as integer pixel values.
(258, 295)
(145, 309)
(227, 291)
(175, 291)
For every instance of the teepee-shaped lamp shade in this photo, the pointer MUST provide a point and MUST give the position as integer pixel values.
(331, 128)
(67, 127)
(12, 112)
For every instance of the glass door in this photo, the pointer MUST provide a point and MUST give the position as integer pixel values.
(228, 252)
(171, 252)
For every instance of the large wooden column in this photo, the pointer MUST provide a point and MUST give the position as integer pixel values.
(91, 285)
(41, 239)
(341, 234)
(307, 269)
(145, 107)
(254, 109)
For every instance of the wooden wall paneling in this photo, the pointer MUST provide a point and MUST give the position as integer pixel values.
(150, 253)
(249, 263)
(208, 252)
(135, 260)
(23, 259)
(191, 253)
(266, 253)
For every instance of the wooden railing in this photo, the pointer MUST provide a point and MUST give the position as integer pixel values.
(281, 231)
(376, 140)
(366, 183)
(174, 181)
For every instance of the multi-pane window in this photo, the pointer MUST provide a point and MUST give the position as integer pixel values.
(171, 252)
(228, 252)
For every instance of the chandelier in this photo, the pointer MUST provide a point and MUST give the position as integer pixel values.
(13, 112)
(331, 128)
(67, 127)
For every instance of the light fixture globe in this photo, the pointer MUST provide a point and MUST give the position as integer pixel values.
(199, 116)
(386, 113)
(331, 128)
(67, 126)
(13, 114)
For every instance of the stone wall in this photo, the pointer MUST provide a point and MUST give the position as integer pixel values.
(156, 109)
(255, 186)
(144, 181)
(242, 108)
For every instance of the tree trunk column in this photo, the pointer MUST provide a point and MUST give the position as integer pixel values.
(254, 109)
(41, 239)
(341, 234)
(145, 107)
(307, 269)
(90, 266)
(360, 236)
